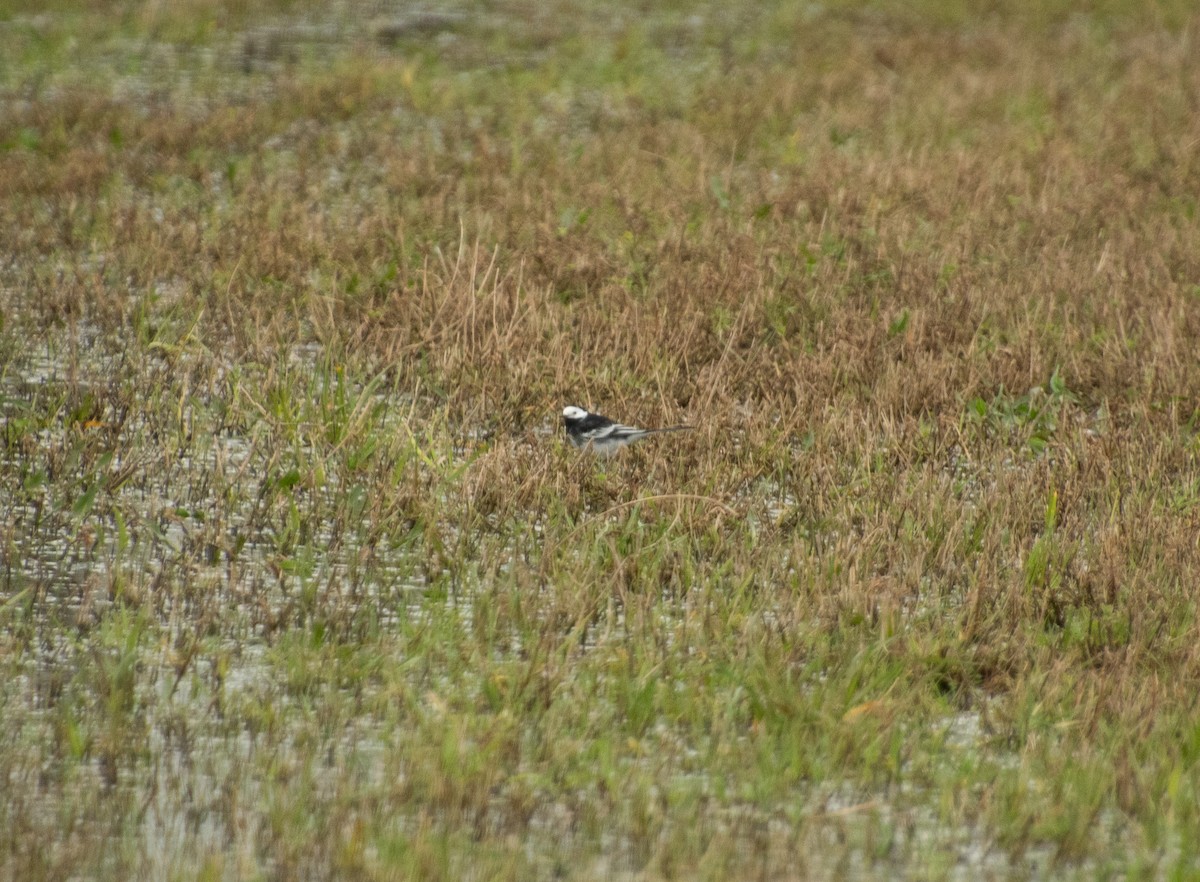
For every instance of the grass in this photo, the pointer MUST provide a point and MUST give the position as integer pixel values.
(298, 580)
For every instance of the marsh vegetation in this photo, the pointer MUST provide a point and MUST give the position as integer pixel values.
(299, 580)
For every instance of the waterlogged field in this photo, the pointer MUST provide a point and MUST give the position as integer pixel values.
(300, 580)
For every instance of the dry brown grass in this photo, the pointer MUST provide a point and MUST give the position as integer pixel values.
(926, 281)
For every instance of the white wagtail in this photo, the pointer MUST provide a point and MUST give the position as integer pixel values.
(602, 435)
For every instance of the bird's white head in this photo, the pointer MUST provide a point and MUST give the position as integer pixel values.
(571, 412)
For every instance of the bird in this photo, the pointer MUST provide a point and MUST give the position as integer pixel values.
(600, 434)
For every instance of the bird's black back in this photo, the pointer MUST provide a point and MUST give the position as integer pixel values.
(589, 423)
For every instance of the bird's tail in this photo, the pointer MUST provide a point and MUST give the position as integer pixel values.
(669, 429)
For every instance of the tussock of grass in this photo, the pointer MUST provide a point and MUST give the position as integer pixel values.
(298, 580)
